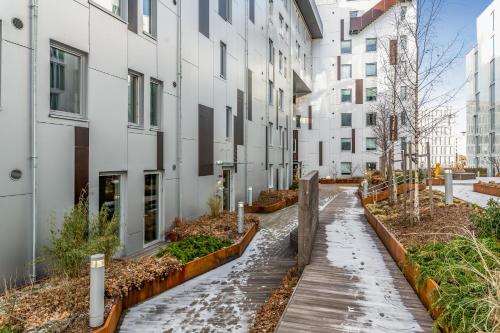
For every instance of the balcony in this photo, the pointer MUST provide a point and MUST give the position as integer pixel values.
(357, 24)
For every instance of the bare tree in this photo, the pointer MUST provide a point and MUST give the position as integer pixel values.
(381, 128)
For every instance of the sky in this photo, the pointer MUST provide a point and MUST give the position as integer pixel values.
(459, 16)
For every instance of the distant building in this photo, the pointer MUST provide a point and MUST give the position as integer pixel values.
(442, 139)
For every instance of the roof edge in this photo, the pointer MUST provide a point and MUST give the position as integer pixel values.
(311, 17)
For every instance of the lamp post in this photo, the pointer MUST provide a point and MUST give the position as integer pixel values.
(241, 216)
(96, 311)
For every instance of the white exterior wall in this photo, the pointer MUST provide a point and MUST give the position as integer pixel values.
(442, 139)
(110, 51)
(483, 142)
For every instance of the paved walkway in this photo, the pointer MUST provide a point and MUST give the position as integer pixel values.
(227, 298)
(462, 189)
(352, 284)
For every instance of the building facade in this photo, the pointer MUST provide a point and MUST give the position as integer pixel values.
(148, 107)
(442, 137)
(334, 124)
(483, 147)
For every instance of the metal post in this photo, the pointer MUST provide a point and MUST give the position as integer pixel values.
(250, 197)
(448, 187)
(410, 182)
(241, 217)
(403, 166)
(429, 177)
(96, 311)
(365, 188)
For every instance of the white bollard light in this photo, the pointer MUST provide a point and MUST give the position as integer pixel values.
(250, 197)
(96, 312)
(448, 187)
(241, 216)
(365, 189)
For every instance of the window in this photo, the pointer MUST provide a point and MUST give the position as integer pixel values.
(371, 119)
(298, 50)
(116, 7)
(66, 80)
(149, 17)
(345, 168)
(371, 44)
(229, 122)
(285, 67)
(345, 144)
(403, 143)
(271, 131)
(353, 13)
(371, 69)
(280, 60)
(371, 166)
(223, 59)
(251, 11)
(204, 17)
(371, 144)
(346, 119)
(404, 9)
(282, 26)
(151, 207)
(304, 61)
(134, 98)
(474, 123)
(271, 93)
(225, 10)
(271, 51)
(156, 91)
(403, 42)
(346, 71)
(280, 100)
(346, 95)
(346, 46)
(403, 93)
(297, 121)
(280, 133)
(492, 71)
(371, 94)
(109, 194)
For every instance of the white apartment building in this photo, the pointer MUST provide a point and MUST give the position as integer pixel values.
(482, 127)
(146, 106)
(334, 124)
(443, 139)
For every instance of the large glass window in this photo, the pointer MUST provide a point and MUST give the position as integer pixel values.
(66, 81)
(371, 143)
(109, 194)
(271, 132)
(346, 47)
(346, 71)
(346, 119)
(345, 144)
(371, 94)
(403, 42)
(403, 93)
(149, 17)
(151, 207)
(271, 51)
(371, 166)
(346, 95)
(371, 44)
(134, 97)
(114, 6)
(155, 103)
(229, 121)
(281, 100)
(345, 168)
(371, 69)
(225, 9)
(271, 93)
(371, 119)
(223, 60)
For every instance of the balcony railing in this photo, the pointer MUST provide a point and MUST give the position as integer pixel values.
(359, 23)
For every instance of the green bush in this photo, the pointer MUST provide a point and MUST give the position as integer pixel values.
(193, 247)
(466, 270)
(72, 245)
(294, 186)
(487, 221)
(6, 329)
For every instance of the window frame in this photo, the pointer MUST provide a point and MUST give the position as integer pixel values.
(342, 76)
(123, 16)
(223, 60)
(371, 116)
(271, 93)
(139, 99)
(345, 50)
(371, 139)
(350, 168)
(228, 4)
(371, 98)
(159, 209)
(366, 69)
(159, 114)
(367, 46)
(153, 23)
(345, 141)
(342, 95)
(281, 102)
(342, 119)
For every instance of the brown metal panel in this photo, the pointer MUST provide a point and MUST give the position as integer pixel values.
(249, 94)
(310, 117)
(81, 162)
(339, 64)
(267, 145)
(205, 140)
(353, 140)
(393, 47)
(296, 144)
(159, 151)
(238, 129)
(342, 30)
(320, 153)
(132, 15)
(359, 91)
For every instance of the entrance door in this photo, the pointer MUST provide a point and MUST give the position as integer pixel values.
(277, 179)
(151, 207)
(110, 199)
(226, 189)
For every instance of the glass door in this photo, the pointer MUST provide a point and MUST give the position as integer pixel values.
(151, 207)
(226, 189)
(109, 194)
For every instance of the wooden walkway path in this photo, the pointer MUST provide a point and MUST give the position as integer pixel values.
(352, 284)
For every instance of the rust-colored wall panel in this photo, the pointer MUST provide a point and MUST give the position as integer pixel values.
(339, 64)
(353, 139)
(320, 147)
(205, 140)
(310, 117)
(81, 162)
(393, 49)
(296, 143)
(359, 91)
(159, 150)
(342, 30)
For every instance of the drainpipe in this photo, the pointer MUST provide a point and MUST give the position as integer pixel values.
(179, 111)
(245, 129)
(34, 48)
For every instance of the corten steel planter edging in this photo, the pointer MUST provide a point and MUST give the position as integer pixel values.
(485, 189)
(436, 181)
(258, 209)
(385, 194)
(410, 271)
(190, 270)
(325, 181)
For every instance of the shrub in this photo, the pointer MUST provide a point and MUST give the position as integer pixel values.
(193, 247)
(215, 205)
(78, 239)
(294, 186)
(6, 329)
(488, 220)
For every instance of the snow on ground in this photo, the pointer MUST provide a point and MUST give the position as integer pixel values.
(462, 189)
(352, 248)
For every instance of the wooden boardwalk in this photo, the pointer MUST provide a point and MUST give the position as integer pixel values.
(352, 284)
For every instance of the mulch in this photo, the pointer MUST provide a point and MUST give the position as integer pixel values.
(268, 198)
(447, 221)
(268, 316)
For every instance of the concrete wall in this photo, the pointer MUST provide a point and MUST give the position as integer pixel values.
(308, 216)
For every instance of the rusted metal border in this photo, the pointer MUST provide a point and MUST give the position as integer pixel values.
(190, 270)
(382, 195)
(256, 209)
(485, 189)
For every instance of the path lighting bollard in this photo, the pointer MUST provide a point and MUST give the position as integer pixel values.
(241, 216)
(96, 312)
(365, 189)
(250, 197)
(448, 187)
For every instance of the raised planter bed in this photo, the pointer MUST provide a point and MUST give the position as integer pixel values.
(410, 271)
(265, 209)
(187, 272)
(382, 195)
(435, 181)
(464, 176)
(486, 189)
(325, 181)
